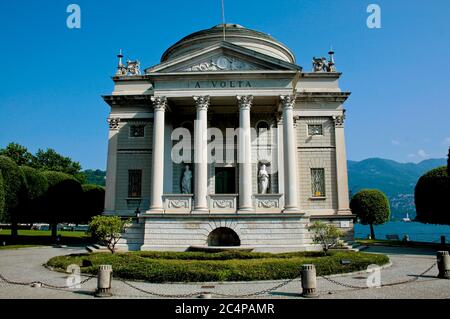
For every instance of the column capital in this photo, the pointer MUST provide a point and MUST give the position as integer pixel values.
(159, 103)
(339, 120)
(245, 101)
(287, 101)
(201, 102)
(114, 123)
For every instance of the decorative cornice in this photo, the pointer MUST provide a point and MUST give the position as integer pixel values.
(322, 96)
(287, 101)
(159, 103)
(245, 101)
(114, 123)
(202, 102)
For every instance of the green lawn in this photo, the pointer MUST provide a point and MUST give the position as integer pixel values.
(22, 232)
(43, 237)
(223, 266)
(17, 246)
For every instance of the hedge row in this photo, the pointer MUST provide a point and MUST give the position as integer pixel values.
(31, 195)
(201, 267)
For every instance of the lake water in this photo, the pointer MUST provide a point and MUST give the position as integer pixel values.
(415, 231)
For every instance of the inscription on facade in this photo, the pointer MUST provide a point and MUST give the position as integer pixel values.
(222, 84)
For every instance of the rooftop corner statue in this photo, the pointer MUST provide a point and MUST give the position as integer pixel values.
(227, 135)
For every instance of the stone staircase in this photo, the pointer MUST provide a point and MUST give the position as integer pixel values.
(97, 248)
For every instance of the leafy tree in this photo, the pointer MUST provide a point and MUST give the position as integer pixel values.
(13, 184)
(62, 200)
(50, 160)
(36, 186)
(372, 208)
(2, 195)
(108, 229)
(326, 235)
(18, 153)
(432, 197)
(92, 201)
(448, 162)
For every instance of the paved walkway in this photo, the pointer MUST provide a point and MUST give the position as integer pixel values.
(26, 265)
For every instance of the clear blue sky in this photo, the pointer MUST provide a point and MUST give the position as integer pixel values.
(53, 77)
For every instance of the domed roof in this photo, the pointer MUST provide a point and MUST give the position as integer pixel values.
(234, 33)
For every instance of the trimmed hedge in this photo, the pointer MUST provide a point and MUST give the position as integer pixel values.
(225, 266)
(92, 202)
(13, 184)
(371, 206)
(432, 197)
(2, 195)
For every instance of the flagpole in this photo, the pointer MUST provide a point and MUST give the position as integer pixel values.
(223, 18)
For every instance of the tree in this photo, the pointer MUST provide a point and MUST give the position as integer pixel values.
(448, 162)
(18, 153)
(372, 208)
(92, 202)
(36, 186)
(13, 184)
(108, 229)
(432, 197)
(2, 195)
(326, 235)
(62, 200)
(50, 160)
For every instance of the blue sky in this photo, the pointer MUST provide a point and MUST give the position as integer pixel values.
(399, 75)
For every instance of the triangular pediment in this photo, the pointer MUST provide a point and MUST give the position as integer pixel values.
(223, 57)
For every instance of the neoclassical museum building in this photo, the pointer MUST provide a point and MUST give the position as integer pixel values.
(227, 142)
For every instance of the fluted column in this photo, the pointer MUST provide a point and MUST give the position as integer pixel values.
(341, 165)
(157, 182)
(201, 155)
(290, 150)
(245, 154)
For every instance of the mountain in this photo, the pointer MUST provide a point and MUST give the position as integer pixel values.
(396, 180)
(96, 177)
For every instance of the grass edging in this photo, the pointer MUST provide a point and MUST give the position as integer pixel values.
(158, 267)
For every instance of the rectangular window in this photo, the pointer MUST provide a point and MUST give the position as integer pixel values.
(137, 130)
(134, 183)
(318, 182)
(315, 129)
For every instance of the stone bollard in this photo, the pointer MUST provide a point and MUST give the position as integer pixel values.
(205, 295)
(104, 281)
(443, 261)
(309, 281)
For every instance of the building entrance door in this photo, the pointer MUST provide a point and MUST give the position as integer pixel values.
(225, 180)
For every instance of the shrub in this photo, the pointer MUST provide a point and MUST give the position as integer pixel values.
(178, 267)
(432, 197)
(35, 188)
(13, 184)
(372, 207)
(108, 229)
(326, 235)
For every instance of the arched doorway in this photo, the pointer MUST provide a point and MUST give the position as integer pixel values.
(223, 236)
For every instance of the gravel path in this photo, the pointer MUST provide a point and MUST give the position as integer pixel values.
(26, 265)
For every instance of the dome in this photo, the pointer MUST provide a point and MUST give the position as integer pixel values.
(234, 33)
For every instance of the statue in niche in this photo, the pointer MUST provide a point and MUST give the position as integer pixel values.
(186, 181)
(263, 179)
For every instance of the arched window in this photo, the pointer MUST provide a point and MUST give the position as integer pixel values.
(223, 236)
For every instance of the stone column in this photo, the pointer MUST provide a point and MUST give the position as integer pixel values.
(201, 155)
(245, 154)
(111, 166)
(290, 155)
(341, 164)
(157, 181)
